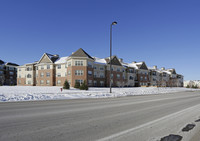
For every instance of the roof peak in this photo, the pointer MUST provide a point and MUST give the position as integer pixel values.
(81, 53)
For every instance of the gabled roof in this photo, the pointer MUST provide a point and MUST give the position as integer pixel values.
(81, 53)
(139, 65)
(52, 58)
(114, 60)
(173, 71)
(11, 64)
(1, 62)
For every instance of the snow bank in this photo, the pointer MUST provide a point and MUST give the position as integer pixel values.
(25, 93)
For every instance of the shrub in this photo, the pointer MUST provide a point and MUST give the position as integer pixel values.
(77, 85)
(188, 86)
(66, 85)
(194, 86)
(84, 86)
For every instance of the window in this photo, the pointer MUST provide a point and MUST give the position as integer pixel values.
(95, 67)
(65, 73)
(65, 65)
(78, 72)
(118, 76)
(29, 76)
(59, 82)
(29, 82)
(111, 75)
(95, 83)
(124, 76)
(42, 67)
(153, 73)
(11, 73)
(89, 73)
(101, 68)
(47, 82)
(41, 74)
(58, 75)
(118, 69)
(19, 69)
(145, 78)
(11, 68)
(90, 64)
(59, 66)
(101, 75)
(48, 74)
(69, 72)
(78, 63)
(36, 68)
(131, 78)
(19, 82)
(48, 66)
(102, 83)
(69, 64)
(1, 72)
(95, 74)
(154, 79)
(123, 70)
(41, 81)
(164, 74)
(90, 82)
(141, 78)
(80, 81)
(19, 76)
(28, 69)
(131, 71)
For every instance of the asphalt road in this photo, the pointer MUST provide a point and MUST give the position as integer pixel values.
(136, 118)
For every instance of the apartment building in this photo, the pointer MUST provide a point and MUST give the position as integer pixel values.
(52, 70)
(165, 77)
(8, 73)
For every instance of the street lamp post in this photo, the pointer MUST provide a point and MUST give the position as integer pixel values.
(113, 23)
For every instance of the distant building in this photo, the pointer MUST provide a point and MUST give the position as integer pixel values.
(51, 70)
(8, 73)
(192, 83)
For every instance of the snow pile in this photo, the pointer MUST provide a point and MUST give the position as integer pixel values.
(25, 93)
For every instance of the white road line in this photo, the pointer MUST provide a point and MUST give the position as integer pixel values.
(117, 135)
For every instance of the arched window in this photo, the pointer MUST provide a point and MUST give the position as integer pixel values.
(28, 76)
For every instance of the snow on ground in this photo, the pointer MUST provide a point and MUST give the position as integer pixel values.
(25, 93)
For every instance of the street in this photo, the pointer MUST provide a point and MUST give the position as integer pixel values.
(136, 118)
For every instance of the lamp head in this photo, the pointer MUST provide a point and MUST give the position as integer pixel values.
(114, 23)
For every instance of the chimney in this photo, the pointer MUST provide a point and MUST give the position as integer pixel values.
(120, 60)
(155, 67)
(163, 68)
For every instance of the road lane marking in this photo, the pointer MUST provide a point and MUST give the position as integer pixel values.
(117, 135)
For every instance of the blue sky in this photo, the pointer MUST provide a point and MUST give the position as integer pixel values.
(165, 33)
